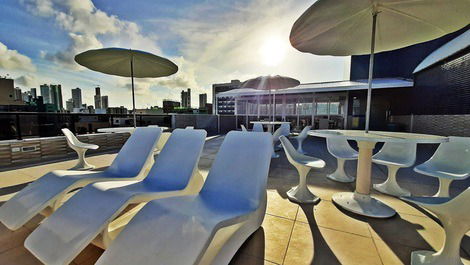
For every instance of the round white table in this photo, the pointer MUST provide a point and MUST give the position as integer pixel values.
(360, 201)
(123, 129)
(269, 124)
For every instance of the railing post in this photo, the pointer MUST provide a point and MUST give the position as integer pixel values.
(18, 127)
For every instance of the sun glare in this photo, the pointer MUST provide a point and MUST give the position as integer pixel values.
(273, 51)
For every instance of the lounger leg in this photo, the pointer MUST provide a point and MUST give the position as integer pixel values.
(449, 254)
(299, 147)
(390, 186)
(82, 163)
(340, 175)
(443, 188)
(300, 193)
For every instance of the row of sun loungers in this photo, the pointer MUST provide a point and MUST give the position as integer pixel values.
(179, 217)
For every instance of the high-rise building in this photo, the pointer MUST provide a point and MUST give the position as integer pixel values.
(77, 97)
(224, 105)
(97, 98)
(56, 95)
(18, 95)
(7, 91)
(186, 98)
(69, 105)
(34, 93)
(202, 100)
(104, 102)
(46, 93)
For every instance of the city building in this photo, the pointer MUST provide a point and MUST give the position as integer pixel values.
(202, 100)
(170, 105)
(34, 93)
(186, 98)
(97, 98)
(224, 105)
(77, 97)
(104, 102)
(46, 93)
(117, 110)
(151, 110)
(56, 95)
(91, 109)
(7, 91)
(69, 105)
(18, 96)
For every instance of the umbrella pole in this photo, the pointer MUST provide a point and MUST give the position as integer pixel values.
(371, 69)
(274, 105)
(133, 96)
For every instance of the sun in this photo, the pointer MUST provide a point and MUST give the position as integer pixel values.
(273, 51)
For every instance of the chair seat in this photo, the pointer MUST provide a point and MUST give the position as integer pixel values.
(87, 146)
(434, 171)
(392, 162)
(310, 161)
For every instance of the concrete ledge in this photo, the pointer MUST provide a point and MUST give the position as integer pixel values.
(33, 150)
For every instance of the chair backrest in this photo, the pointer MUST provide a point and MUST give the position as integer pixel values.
(277, 134)
(304, 133)
(339, 147)
(292, 154)
(238, 176)
(135, 153)
(258, 127)
(163, 139)
(177, 161)
(453, 156)
(285, 129)
(457, 208)
(71, 139)
(189, 127)
(243, 128)
(403, 153)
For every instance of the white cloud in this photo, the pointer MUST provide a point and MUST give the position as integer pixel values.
(13, 60)
(27, 80)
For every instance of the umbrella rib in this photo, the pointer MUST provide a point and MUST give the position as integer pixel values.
(392, 10)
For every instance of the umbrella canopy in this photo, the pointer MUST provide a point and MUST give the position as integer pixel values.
(355, 27)
(116, 61)
(270, 83)
(126, 63)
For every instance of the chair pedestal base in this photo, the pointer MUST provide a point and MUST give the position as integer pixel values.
(82, 164)
(301, 194)
(363, 205)
(424, 257)
(340, 175)
(390, 186)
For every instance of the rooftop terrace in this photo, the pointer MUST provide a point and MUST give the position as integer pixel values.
(291, 233)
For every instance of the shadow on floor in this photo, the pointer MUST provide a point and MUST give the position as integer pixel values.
(322, 252)
(12, 189)
(401, 236)
(252, 251)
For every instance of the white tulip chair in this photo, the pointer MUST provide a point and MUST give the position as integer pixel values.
(340, 148)
(80, 148)
(301, 137)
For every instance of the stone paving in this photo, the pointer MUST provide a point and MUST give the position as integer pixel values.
(291, 233)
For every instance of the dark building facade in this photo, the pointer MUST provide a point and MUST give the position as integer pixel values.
(224, 105)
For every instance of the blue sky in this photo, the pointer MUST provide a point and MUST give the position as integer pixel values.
(212, 41)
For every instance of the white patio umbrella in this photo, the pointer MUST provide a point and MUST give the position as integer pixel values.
(126, 63)
(356, 27)
(270, 82)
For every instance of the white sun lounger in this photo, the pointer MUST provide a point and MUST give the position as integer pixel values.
(134, 158)
(62, 236)
(207, 228)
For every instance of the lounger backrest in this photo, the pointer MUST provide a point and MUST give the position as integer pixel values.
(453, 156)
(178, 160)
(243, 128)
(163, 139)
(135, 152)
(71, 139)
(239, 173)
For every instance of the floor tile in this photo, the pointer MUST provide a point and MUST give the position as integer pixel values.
(326, 214)
(281, 207)
(12, 239)
(18, 256)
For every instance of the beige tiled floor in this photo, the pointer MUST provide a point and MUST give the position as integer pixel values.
(290, 234)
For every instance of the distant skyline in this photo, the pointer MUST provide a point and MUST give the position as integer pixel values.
(211, 41)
